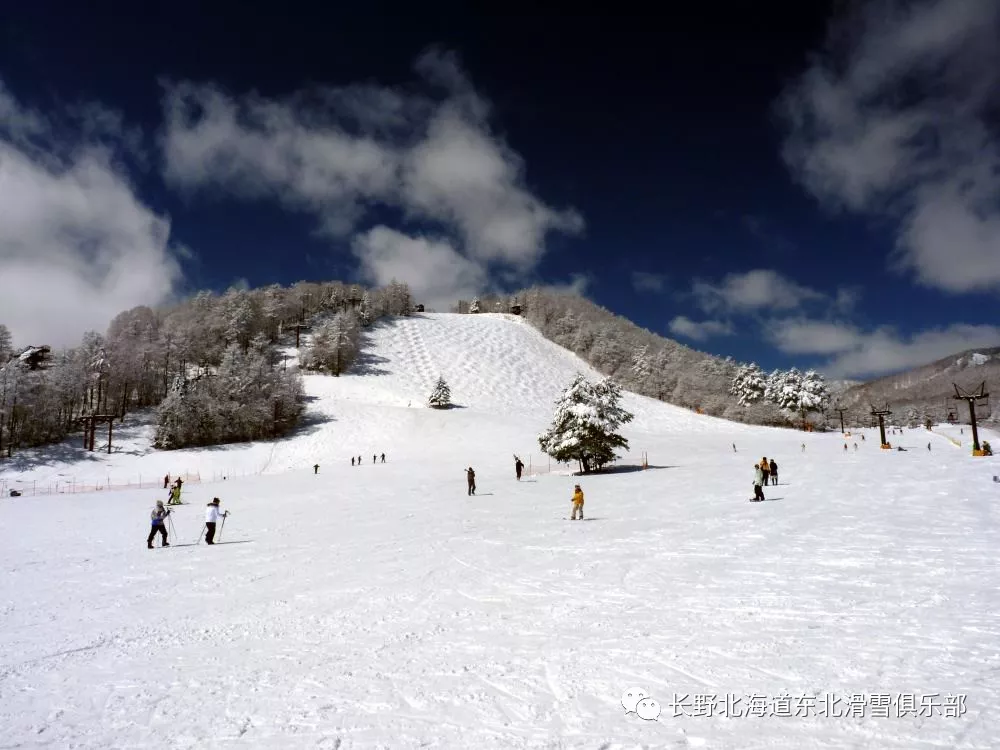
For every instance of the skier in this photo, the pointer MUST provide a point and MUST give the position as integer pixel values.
(175, 496)
(158, 518)
(211, 518)
(352, 460)
(803, 447)
(577, 503)
(166, 481)
(928, 446)
(734, 447)
(758, 481)
(862, 437)
(765, 468)
(315, 468)
(359, 460)
(470, 475)
(774, 472)
(374, 457)
(855, 446)
(518, 467)
(383, 458)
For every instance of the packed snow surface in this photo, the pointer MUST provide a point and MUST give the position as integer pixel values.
(381, 606)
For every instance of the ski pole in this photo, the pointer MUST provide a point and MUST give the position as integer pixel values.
(223, 527)
(173, 531)
(201, 533)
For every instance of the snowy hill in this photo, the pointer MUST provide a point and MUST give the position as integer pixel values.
(382, 606)
(498, 367)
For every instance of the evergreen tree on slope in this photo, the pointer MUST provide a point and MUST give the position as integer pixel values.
(584, 427)
(441, 395)
(749, 385)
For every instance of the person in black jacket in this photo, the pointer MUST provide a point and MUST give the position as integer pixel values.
(774, 471)
(470, 475)
(518, 467)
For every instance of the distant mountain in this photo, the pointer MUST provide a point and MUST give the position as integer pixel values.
(929, 389)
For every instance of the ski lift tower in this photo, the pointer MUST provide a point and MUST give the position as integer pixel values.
(840, 410)
(881, 414)
(972, 399)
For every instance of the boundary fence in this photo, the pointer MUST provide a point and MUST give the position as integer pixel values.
(72, 487)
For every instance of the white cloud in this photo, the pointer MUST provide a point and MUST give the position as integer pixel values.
(336, 153)
(812, 336)
(577, 283)
(643, 281)
(895, 120)
(858, 353)
(760, 289)
(76, 245)
(699, 331)
(437, 274)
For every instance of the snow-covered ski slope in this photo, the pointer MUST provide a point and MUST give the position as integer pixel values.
(381, 606)
(499, 368)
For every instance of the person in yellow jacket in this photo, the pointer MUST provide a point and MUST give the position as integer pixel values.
(577, 503)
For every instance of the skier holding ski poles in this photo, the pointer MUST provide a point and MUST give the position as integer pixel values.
(159, 519)
(212, 516)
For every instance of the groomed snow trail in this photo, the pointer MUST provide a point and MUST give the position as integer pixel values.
(380, 606)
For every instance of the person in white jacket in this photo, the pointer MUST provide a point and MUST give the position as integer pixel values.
(211, 518)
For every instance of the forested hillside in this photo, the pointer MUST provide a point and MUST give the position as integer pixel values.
(927, 392)
(212, 364)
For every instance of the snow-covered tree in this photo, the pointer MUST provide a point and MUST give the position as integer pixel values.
(813, 395)
(440, 397)
(585, 424)
(474, 308)
(335, 343)
(245, 399)
(6, 344)
(749, 385)
(641, 367)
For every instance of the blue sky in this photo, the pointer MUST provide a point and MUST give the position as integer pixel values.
(785, 186)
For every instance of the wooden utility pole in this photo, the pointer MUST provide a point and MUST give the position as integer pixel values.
(299, 327)
(971, 399)
(841, 412)
(882, 414)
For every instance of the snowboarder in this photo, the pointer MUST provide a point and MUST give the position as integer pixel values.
(158, 518)
(577, 503)
(315, 468)
(758, 481)
(166, 481)
(211, 518)
(352, 460)
(470, 475)
(774, 472)
(518, 467)
(383, 458)
(765, 468)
